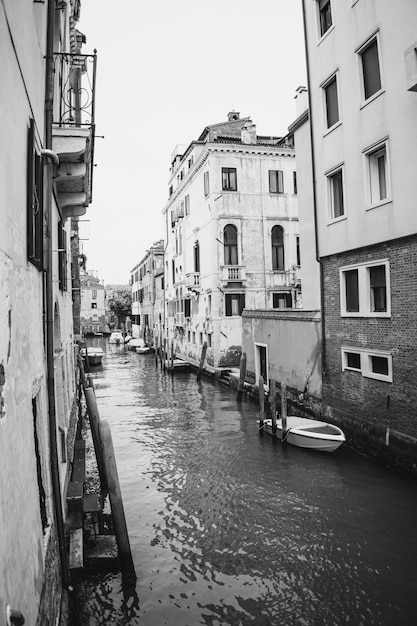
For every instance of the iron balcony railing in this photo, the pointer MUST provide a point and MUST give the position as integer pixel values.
(75, 82)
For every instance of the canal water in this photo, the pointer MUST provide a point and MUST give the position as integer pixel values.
(228, 527)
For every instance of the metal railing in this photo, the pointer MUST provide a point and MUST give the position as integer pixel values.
(75, 81)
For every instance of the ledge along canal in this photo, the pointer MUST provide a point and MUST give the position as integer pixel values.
(227, 526)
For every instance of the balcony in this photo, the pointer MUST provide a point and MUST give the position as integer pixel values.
(232, 274)
(192, 281)
(73, 130)
(289, 278)
(179, 319)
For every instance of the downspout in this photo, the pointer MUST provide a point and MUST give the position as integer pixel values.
(313, 174)
(56, 487)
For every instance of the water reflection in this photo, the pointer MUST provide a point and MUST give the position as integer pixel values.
(228, 527)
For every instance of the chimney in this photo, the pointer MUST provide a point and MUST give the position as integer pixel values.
(301, 100)
(233, 116)
(248, 134)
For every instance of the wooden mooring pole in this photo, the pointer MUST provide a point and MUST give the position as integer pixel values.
(242, 376)
(156, 350)
(119, 520)
(202, 358)
(283, 412)
(172, 357)
(94, 416)
(273, 404)
(261, 402)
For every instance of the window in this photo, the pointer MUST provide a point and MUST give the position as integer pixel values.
(281, 300)
(206, 183)
(189, 336)
(297, 249)
(209, 304)
(187, 307)
(171, 190)
(276, 181)
(230, 245)
(197, 257)
(377, 173)
(94, 305)
(62, 257)
(34, 201)
(331, 102)
(193, 337)
(94, 293)
(336, 199)
(325, 16)
(277, 243)
(235, 303)
(201, 339)
(370, 68)
(294, 180)
(209, 340)
(229, 179)
(173, 271)
(187, 205)
(365, 290)
(190, 162)
(375, 364)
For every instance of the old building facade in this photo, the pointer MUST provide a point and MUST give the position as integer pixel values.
(362, 79)
(147, 283)
(93, 309)
(232, 237)
(45, 182)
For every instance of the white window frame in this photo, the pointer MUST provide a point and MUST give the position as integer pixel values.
(330, 202)
(359, 51)
(324, 86)
(258, 362)
(371, 172)
(366, 362)
(331, 27)
(364, 288)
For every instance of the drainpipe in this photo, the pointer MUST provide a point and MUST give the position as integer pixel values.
(313, 173)
(51, 156)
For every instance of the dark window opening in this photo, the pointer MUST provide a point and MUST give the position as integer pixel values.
(277, 242)
(230, 245)
(332, 106)
(379, 365)
(276, 181)
(353, 360)
(229, 179)
(325, 16)
(370, 66)
(352, 291)
(378, 288)
(235, 303)
(282, 301)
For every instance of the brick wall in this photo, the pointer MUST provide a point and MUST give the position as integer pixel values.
(349, 396)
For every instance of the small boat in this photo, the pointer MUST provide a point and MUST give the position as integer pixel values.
(135, 343)
(178, 365)
(128, 338)
(95, 355)
(116, 337)
(143, 349)
(307, 433)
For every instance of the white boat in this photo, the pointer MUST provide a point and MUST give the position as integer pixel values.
(143, 349)
(116, 337)
(128, 338)
(307, 433)
(95, 355)
(135, 343)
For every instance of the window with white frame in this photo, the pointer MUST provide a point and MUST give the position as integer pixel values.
(206, 183)
(331, 102)
(377, 172)
(365, 290)
(375, 364)
(336, 200)
(325, 16)
(276, 181)
(371, 74)
(229, 179)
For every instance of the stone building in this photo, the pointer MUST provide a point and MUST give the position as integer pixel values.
(147, 282)
(232, 237)
(362, 65)
(93, 309)
(44, 181)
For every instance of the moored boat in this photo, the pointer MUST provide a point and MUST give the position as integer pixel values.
(95, 355)
(308, 433)
(143, 349)
(116, 337)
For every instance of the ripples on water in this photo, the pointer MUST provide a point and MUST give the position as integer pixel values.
(227, 527)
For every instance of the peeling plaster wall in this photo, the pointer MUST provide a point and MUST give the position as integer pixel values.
(293, 347)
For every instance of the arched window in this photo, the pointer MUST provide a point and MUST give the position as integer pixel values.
(230, 245)
(277, 241)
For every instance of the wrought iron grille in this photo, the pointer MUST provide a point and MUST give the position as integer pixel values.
(75, 80)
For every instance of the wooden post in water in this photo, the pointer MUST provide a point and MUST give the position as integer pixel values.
(242, 376)
(161, 349)
(119, 520)
(283, 412)
(203, 356)
(172, 357)
(261, 401)
(156, 350)
(273, 404)
(94, 416)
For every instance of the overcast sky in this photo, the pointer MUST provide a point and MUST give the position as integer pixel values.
(166, 69)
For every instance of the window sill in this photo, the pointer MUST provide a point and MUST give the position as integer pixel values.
(326, 34)
(336, 220)
(332, 128)
(368, 315)
(379, 204)
(372, 98)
